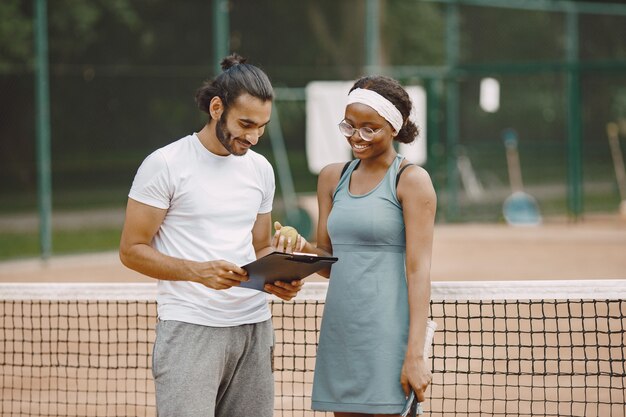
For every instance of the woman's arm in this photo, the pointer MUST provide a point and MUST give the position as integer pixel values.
(419, 204)
(262, 242)
(326, 185)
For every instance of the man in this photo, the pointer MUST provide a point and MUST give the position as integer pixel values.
(197, 209)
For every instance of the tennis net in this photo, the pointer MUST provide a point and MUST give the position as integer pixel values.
(535, 348)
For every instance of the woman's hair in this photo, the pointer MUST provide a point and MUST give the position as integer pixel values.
(397, 95)
(236, 78)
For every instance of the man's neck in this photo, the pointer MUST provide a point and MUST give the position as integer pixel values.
(209, 140)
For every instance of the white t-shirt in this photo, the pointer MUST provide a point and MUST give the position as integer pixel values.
(212, 203)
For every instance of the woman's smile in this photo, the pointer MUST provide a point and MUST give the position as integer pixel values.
(360, 147)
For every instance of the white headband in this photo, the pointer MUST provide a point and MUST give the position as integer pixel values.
(379, 103)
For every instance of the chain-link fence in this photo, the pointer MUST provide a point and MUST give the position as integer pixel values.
(123, 76)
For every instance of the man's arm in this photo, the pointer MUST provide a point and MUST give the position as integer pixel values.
(262, 235)
(141, 224)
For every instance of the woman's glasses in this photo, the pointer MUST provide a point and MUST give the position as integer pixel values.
(365, 133)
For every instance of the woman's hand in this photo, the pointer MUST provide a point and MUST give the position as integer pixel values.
(415, 375)
(285, 242)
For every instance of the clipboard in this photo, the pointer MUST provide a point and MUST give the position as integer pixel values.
(281, 266)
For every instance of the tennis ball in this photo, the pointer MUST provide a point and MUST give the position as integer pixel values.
(289, 232)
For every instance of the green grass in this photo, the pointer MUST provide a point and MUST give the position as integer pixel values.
(23, 245)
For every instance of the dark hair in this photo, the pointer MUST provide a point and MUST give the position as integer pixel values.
(236, 78)
(397, 95)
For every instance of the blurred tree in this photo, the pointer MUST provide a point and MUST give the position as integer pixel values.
(412, 33)
(16, 27)
(72, 25)
(303, 41)
(73, 28)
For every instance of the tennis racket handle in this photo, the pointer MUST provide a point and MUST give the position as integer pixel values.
(413, 407)
(431, 326)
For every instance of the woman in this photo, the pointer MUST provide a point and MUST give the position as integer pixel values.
(376, 214)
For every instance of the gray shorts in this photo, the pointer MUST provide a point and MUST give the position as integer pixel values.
(213, 371)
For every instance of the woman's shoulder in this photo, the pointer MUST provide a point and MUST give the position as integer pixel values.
(413, 171)
(334, 170)
(329, 177)
(414, 179)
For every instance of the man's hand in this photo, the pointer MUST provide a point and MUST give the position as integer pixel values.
(284, 290)
(218, 275)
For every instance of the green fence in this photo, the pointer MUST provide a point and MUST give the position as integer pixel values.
(121, 77)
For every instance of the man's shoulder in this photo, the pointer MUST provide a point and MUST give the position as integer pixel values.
(177, 145)
(259, 160)
(178, 151)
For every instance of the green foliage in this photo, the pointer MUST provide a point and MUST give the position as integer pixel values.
(413, 33)
(22, 245)
(508, 35)
(16, 28)
(73, 26)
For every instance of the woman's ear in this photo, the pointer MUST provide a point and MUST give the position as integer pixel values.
(216, 108)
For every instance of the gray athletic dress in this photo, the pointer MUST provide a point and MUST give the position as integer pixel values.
(366, 317)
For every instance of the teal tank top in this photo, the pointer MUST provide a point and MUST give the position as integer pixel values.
(365, 324)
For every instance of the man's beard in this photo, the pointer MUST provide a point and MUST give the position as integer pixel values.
(225, 137)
